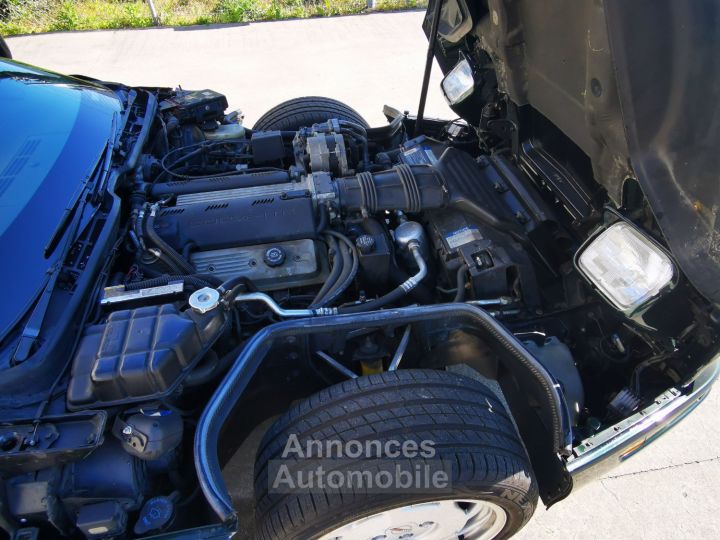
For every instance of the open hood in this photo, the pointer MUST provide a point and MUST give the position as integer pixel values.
(634, 85)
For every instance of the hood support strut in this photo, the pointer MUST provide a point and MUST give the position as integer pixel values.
(432, 38)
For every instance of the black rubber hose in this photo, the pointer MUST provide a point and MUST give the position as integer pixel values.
(393, 296)
(400, 291)
(323, 223)
(347, 278)
(421, 294)
(234, 282)
(334, 273)
(167, 169)
(347, 262)
(363, 142)
(212, 367)
(187, 249)
(230, 288)
(460, 280)
(204, 372)
(163, 246)
(168, 265)
(354, 126)
(138, 227)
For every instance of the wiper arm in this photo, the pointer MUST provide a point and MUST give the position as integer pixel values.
(100, 178)
(107, 161)
(31, 332)
(62, 226)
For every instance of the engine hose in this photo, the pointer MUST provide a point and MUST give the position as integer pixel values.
(404, 187)
(362, 139)
(167, 169)
(138, 228)
(368, 193)
(163, 246)
(460, 280)
(204, 372)
(420, 294)
(187, 249)
(345, 280)
(234, 286)
(344, 262)
(354, 126)
(413, 199)
(195, 281)
(334, 273)
(396, 294)
(323, 222)
(213, 367)
(347, 262)
(168, 264)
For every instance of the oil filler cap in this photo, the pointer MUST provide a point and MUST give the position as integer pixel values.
(274, 256)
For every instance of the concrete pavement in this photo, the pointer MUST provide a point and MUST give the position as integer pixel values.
(670, 490)
(366, 60)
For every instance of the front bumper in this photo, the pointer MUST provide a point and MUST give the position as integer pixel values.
(603, 451)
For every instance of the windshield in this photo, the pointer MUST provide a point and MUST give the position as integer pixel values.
(54, 130)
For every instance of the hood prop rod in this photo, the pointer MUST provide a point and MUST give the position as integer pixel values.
(432, 38)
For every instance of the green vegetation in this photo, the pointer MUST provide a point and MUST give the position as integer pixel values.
(32, 16)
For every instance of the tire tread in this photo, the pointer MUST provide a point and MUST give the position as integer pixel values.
(471, 427)
(305, 111)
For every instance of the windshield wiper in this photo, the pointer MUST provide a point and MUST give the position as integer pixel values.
(70, 221)
(101, 171)
(31, 331)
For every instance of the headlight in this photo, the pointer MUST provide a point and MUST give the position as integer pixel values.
(627, 267)
(459, 83)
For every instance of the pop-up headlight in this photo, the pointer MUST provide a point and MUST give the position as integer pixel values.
(626, 267)
(459, 83)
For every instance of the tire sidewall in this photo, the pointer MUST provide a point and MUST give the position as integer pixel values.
(475, 443)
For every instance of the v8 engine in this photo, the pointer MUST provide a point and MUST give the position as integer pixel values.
(249, 269)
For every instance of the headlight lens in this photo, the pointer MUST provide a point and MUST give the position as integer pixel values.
(459, 83)
(626, 266)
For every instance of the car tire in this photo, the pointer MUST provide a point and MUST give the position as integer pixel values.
(474, 438)
(304, 112)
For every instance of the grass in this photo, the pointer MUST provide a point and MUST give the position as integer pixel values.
(34, 16)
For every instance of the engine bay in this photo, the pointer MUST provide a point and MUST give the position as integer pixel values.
(227, 230)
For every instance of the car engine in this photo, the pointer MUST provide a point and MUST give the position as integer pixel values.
(227, 230)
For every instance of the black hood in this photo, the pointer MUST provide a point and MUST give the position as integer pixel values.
(633, 84)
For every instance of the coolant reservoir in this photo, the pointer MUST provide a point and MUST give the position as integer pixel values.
(226, 131)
